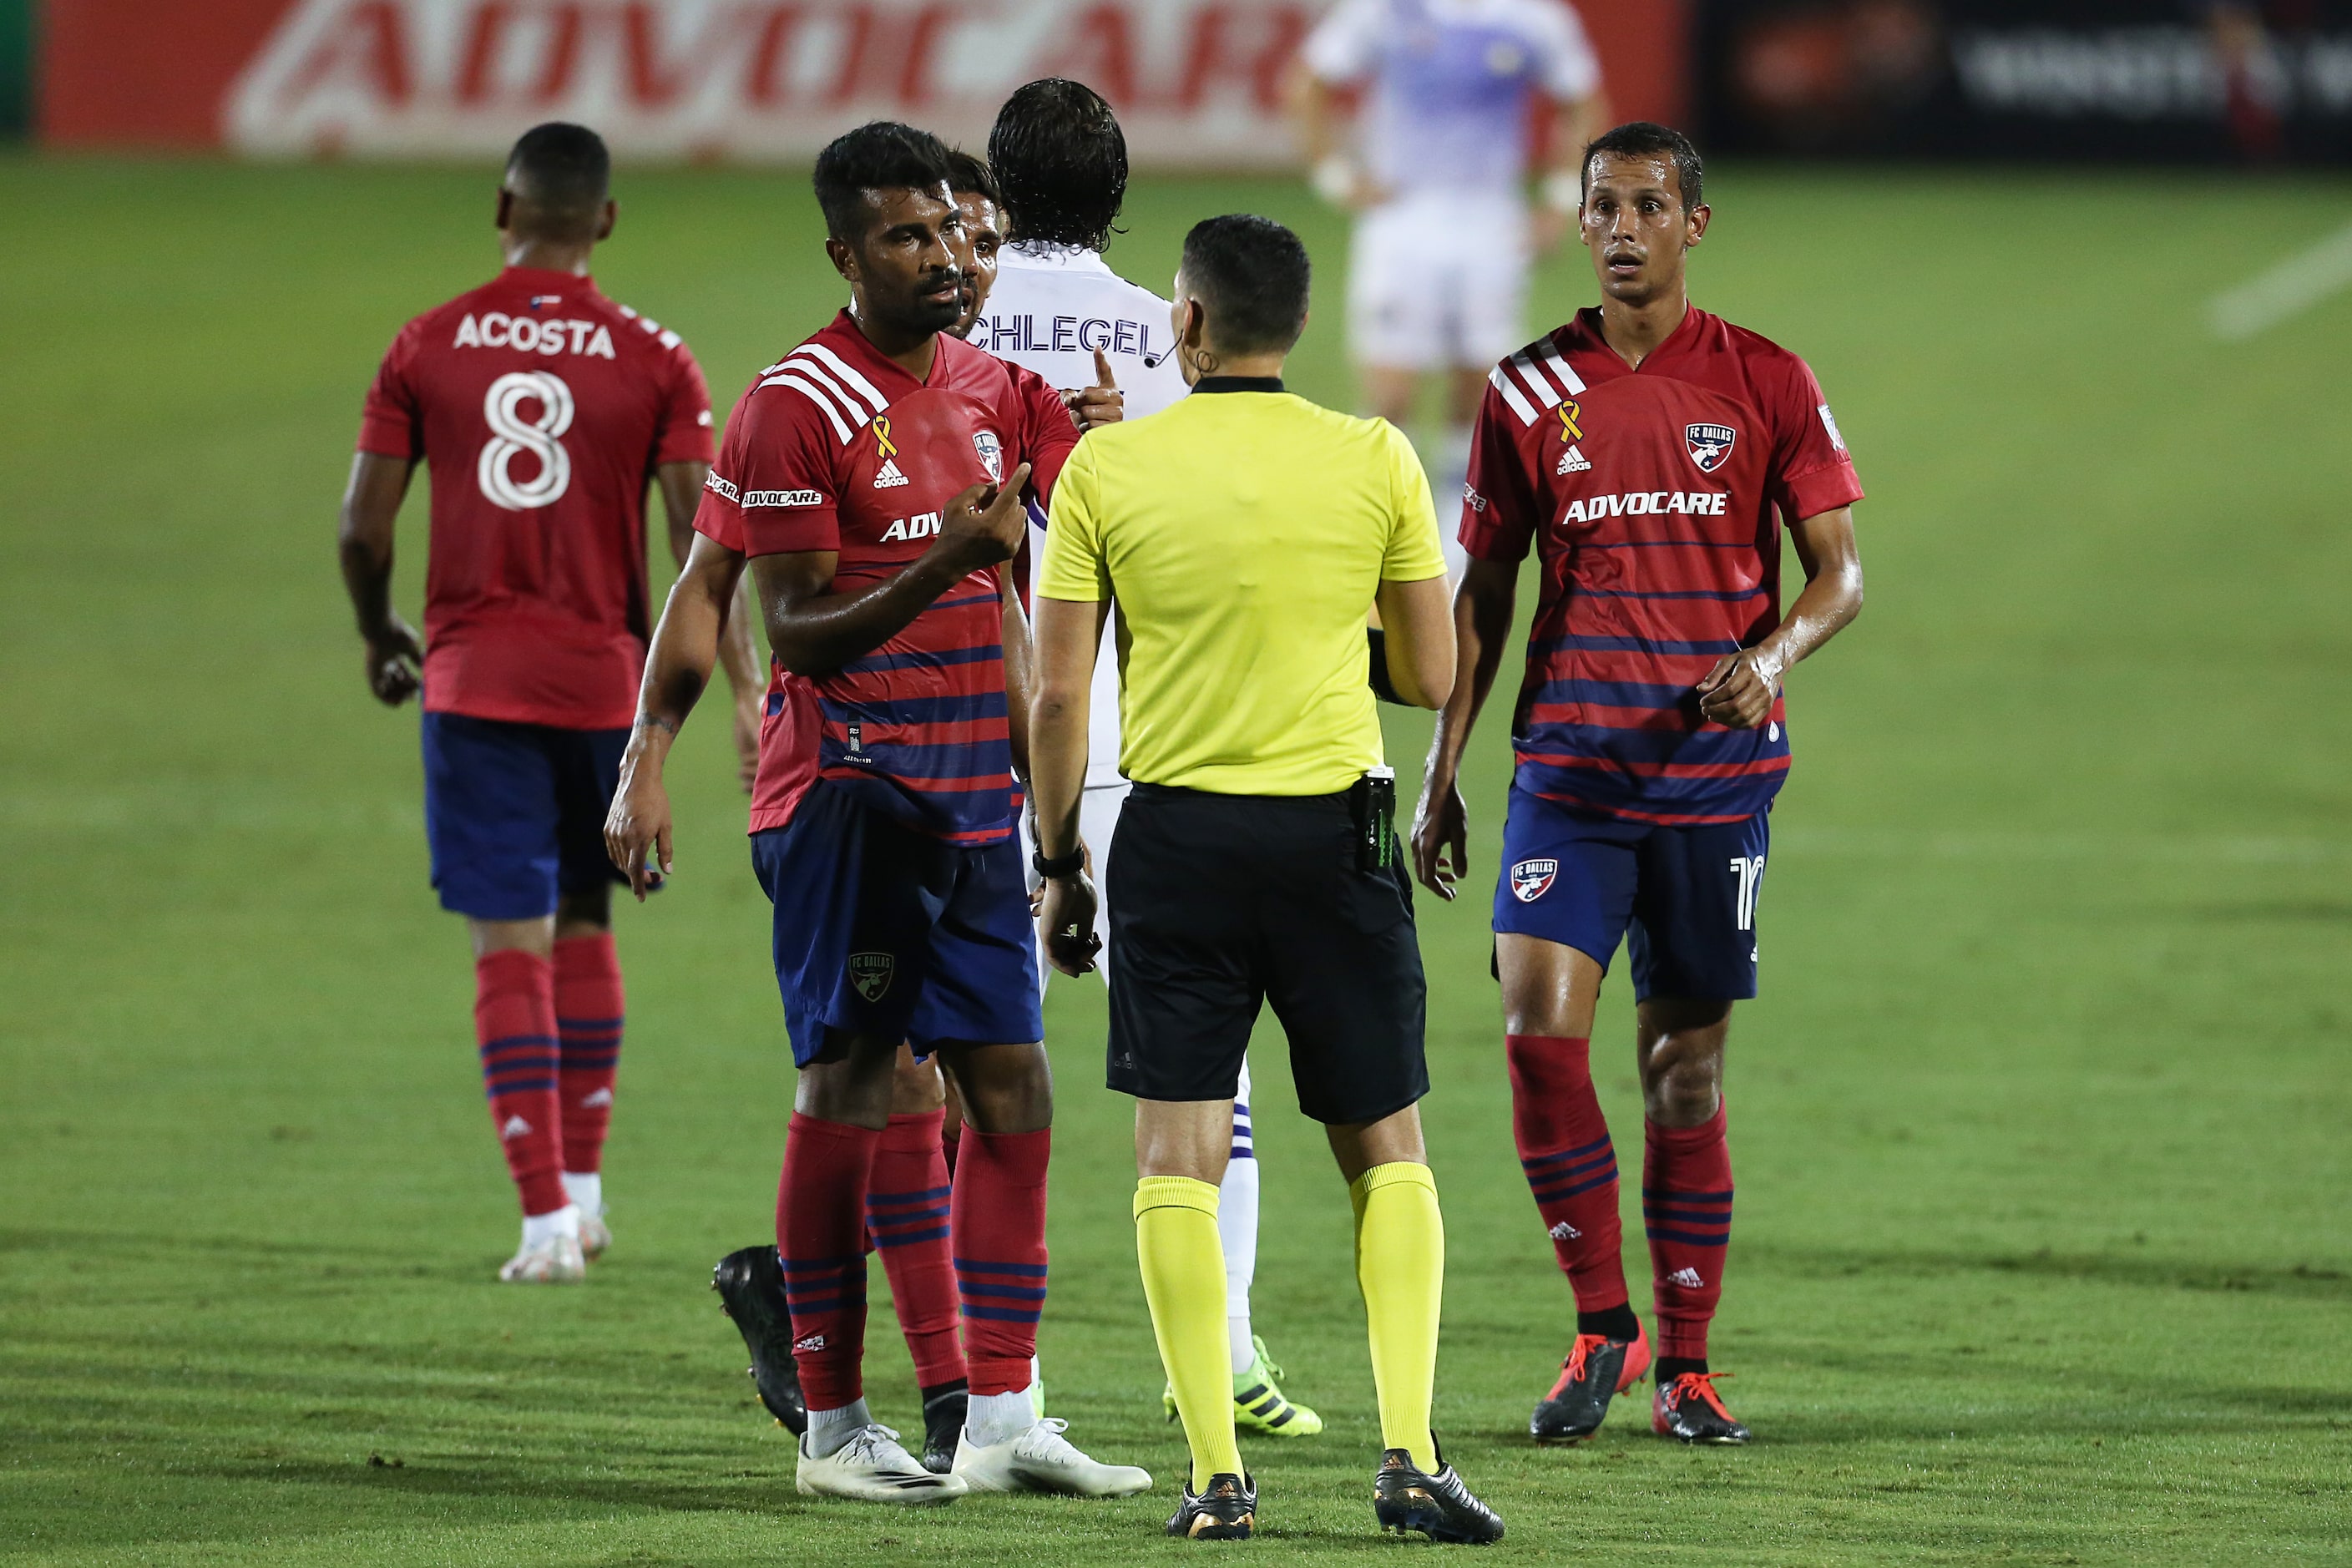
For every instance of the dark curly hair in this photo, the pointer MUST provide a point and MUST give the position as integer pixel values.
(1061, 160)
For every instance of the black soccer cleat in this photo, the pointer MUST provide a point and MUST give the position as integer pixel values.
(943, 1418)
(1405, 1498)
(1688, 1409)
(1597, 1370)
(751, 1286)
(1224, 1510)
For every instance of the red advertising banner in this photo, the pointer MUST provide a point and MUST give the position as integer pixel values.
(1198, 83)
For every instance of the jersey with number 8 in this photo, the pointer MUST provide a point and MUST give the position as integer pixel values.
(543, 409)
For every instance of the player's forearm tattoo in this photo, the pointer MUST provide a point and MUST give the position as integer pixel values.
(655, 721)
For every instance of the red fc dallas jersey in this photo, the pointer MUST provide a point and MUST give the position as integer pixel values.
(834, 448)
(543, 409)
(1651, 496)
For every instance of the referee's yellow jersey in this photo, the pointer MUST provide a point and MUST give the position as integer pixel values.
(1243, 533)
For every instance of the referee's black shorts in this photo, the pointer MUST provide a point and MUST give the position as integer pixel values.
(1219, 902)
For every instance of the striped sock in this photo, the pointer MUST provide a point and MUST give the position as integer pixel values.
(996, 1227)
(589, 1012)
(1687, 1207)
(514, 1023)
(1571, 1165)
(821, 1242)
(906, 1215)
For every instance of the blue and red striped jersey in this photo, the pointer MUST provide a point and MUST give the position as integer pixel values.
(834, 448)
(1651, 497)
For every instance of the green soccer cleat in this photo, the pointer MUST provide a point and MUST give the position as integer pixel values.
(1259, 1404)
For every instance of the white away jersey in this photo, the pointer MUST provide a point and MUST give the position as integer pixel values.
(1448, 83)
(1049, 312)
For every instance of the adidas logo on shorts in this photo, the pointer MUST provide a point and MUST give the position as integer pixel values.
(1573, 461)
(890, 475)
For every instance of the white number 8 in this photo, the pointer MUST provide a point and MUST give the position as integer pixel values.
(509, 436)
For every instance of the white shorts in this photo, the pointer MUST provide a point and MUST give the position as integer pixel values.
(1438, 280)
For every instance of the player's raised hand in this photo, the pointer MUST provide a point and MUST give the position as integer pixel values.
(637, 827)
(1441, 833)
(985, 523)
(1101, 404)
(1737, 692)
(395, 662)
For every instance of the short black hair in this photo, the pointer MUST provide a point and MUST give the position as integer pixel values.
(564, 172)
(1061, 159)
(879, 156)
(1253, 275)
(1647, 139)
(968, 173)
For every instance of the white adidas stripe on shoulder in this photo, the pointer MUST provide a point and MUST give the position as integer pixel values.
(1534, 379)
(1560, 367)
(1512, 395)
(876, 402)
(818, 396)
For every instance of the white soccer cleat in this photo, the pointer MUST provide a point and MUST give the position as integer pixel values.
(1041, 1460)
(555, 1261)
(872, 1468)
(595, 1235)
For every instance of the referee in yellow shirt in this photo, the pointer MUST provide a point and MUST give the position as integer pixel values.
(1244, 535)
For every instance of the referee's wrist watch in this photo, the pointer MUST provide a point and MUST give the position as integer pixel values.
(1060, 870)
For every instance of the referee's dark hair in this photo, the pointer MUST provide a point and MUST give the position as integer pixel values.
(1253, 275)
(559, 175)
(880, 155)
(1648, 139)
(1061, 160)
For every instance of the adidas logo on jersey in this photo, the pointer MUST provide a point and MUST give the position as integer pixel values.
(890, 475)
(1564, 1231)
(1688, 1278)
(1573, 461)
(515, 1127)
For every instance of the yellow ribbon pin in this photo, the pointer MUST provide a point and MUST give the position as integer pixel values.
(882, 442)
(1569, 414)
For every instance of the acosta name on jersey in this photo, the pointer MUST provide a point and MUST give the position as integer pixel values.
(1695, 503)
(497, 330)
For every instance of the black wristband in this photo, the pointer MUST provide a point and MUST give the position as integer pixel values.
(1068, 865)
(1382, 687)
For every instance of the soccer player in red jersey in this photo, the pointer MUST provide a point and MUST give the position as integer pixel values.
(544, 410)
(1652, 453)
(873, 479)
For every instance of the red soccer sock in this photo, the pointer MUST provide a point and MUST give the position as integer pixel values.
(907, 1214)
(997, 1228)
(821, 1241)
(1570, 1166)
(1687, 1207)
(589, 1010)
(514, 1021)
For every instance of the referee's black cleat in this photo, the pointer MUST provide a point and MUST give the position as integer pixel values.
(943, 1416)
(1224, 1510)
(1405, 1498)
(1688, 1409)
(1597, 1370)
(751, 1286)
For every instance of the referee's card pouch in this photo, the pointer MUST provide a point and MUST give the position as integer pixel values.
(1371, 800)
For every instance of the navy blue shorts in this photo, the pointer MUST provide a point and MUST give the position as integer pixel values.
(1687, 896)
(881, 930)
(514, 814)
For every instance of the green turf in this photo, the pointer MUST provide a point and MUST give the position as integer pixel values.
(2040, 1125)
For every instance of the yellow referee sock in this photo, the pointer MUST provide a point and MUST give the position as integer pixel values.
(1184, 1280)
(1400, 1268)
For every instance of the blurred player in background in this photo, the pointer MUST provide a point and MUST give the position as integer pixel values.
(872, 479)
(1060, 159)
(1454, 93)
(1652, 453)
(543, 410)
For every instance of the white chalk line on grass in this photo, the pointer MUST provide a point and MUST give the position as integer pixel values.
(2304, 279)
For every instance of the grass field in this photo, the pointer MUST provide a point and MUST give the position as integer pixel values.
(2040, 1124)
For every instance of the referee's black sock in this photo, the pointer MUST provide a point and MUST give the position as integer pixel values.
(1617, 1322)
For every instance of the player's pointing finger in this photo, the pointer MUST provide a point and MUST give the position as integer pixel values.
(1103, 376)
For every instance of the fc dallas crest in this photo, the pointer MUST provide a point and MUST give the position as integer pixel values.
(1710, 444)
(1531, 880)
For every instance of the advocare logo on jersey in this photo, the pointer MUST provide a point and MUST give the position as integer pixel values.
(497, 330)
(1643, 504)
(718, 485)
(922, 525)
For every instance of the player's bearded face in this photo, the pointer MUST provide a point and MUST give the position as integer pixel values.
(908, 271)
(1634, 224)
(981, 237)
